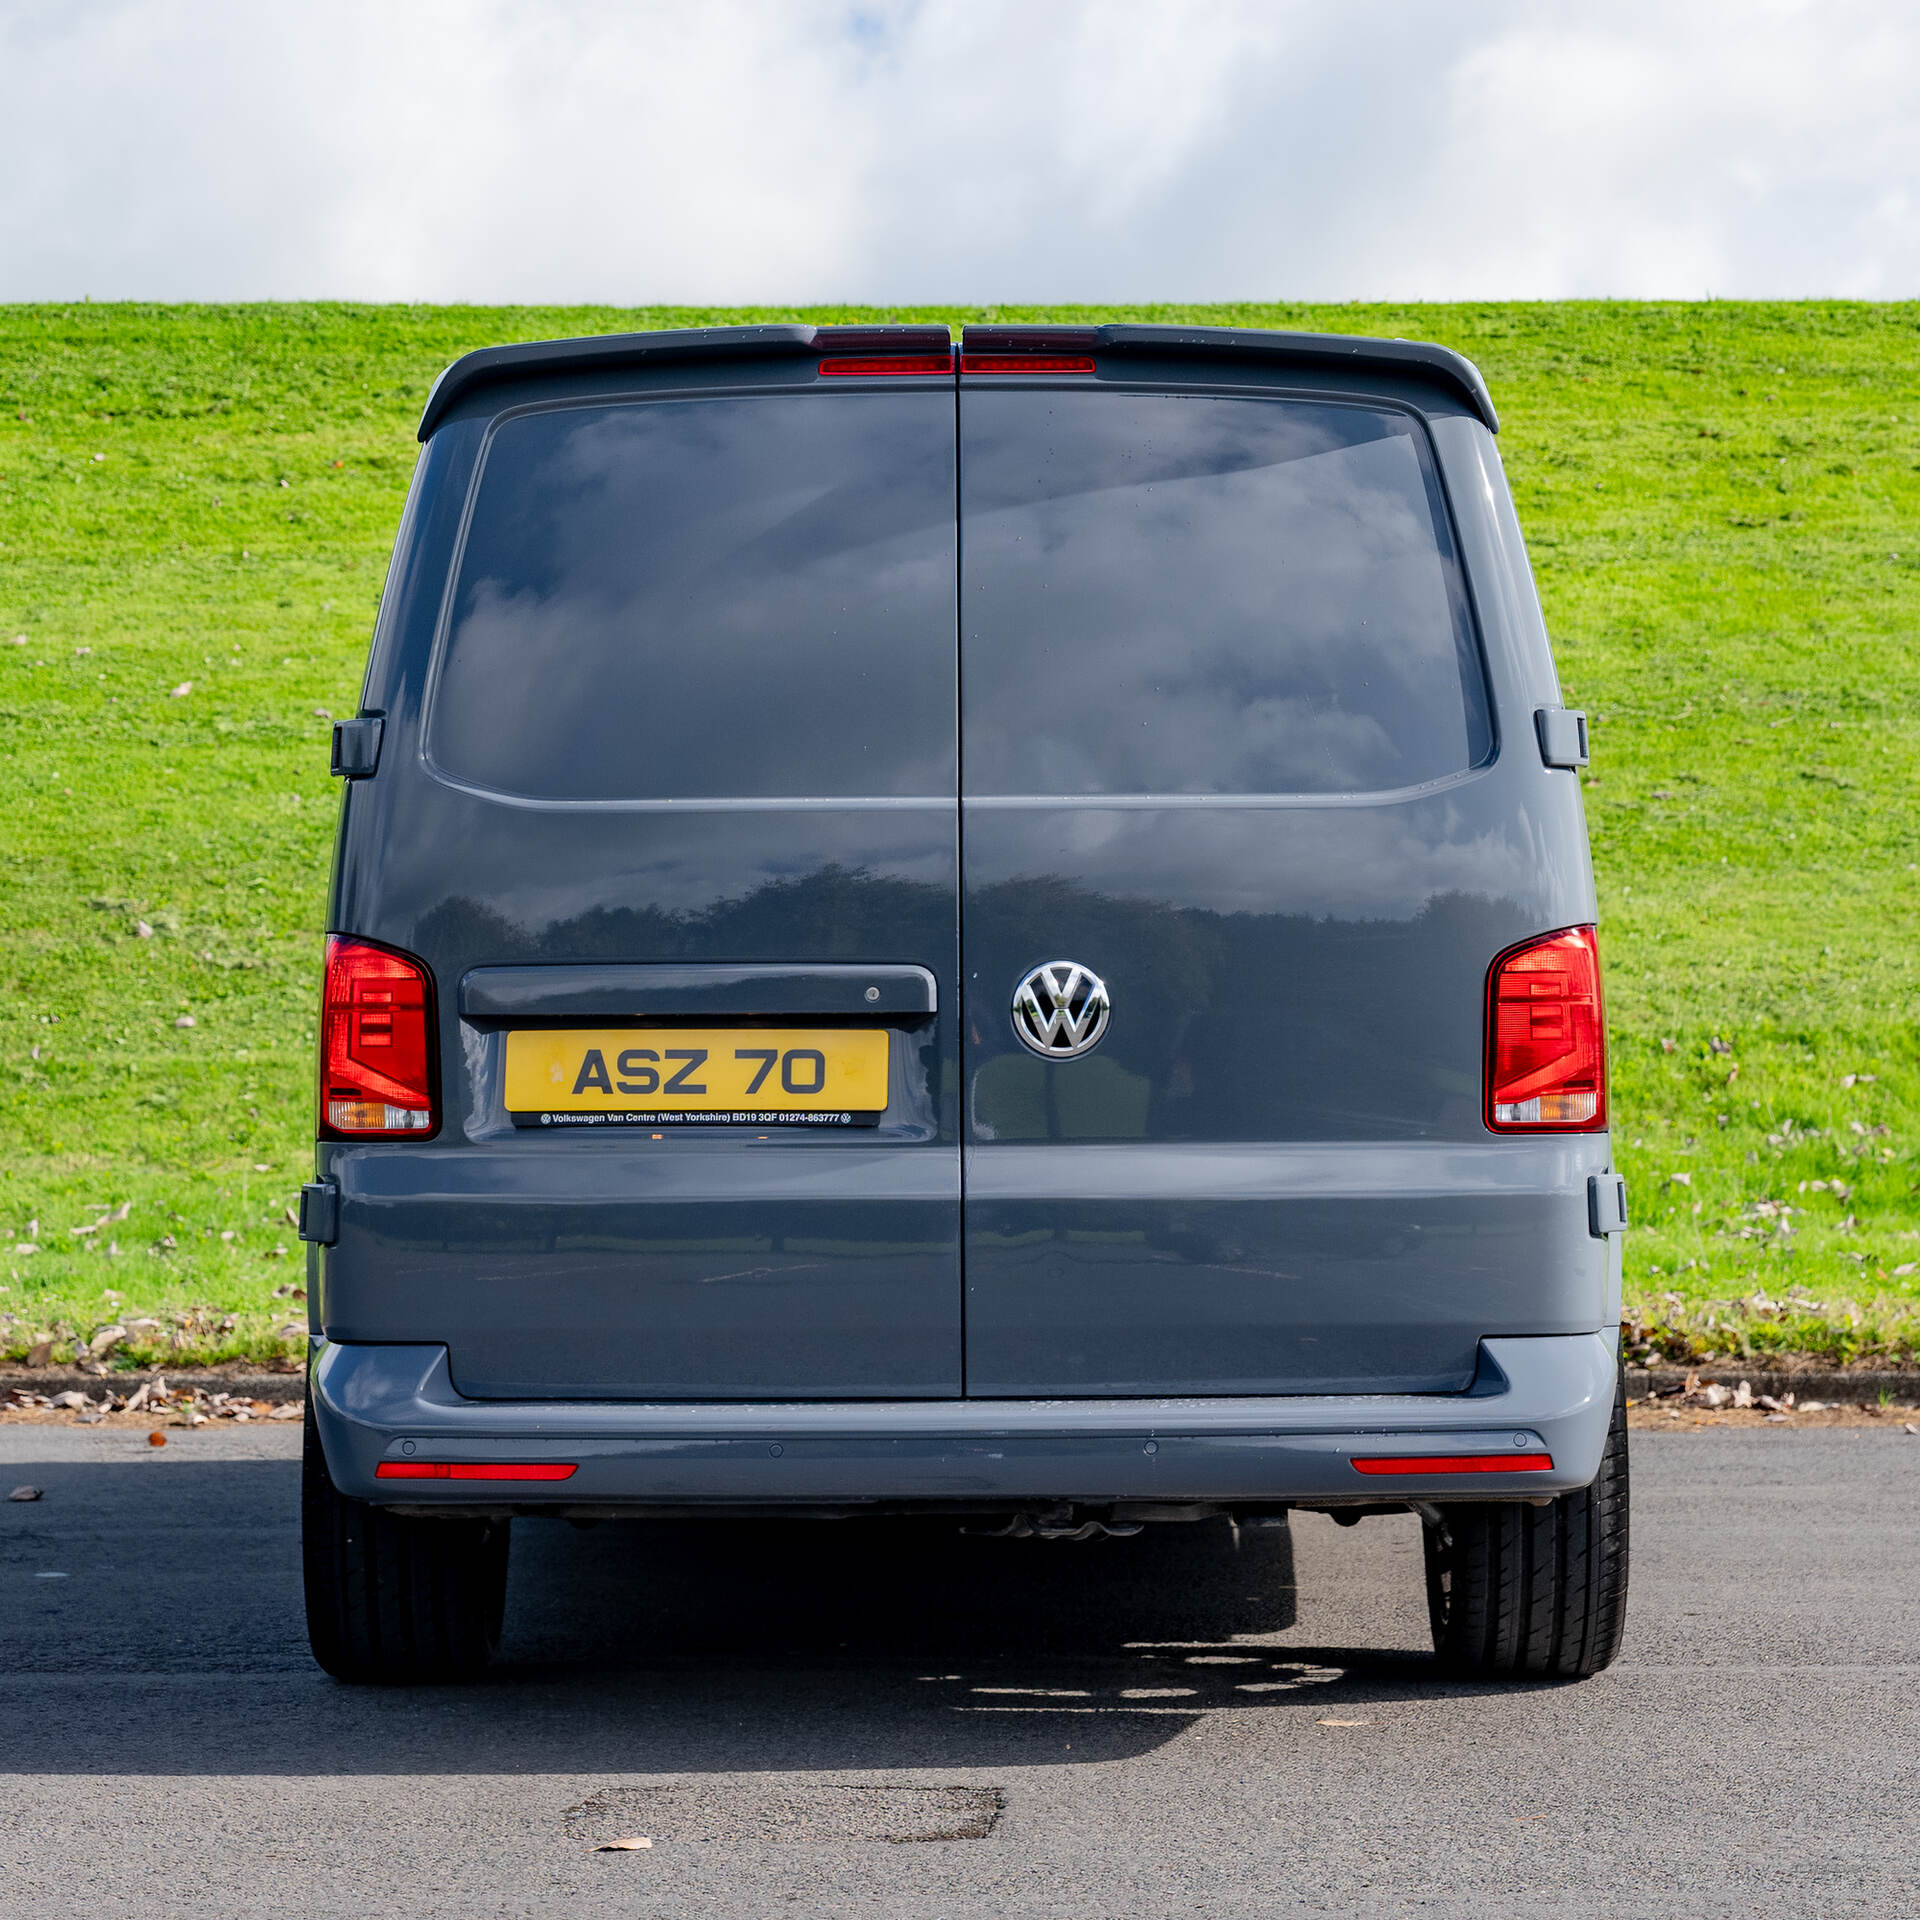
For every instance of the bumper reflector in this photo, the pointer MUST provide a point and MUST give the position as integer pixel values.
(475, 1470)
(1456, 1463)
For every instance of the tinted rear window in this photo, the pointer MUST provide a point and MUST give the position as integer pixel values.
(1180, 593)
(745, 596)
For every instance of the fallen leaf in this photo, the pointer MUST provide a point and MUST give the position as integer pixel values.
(73, 1397)
(186, 1020)
(287, 1410)
(1907, 1426)
(1743, 1395)
(138, 1398)
(33, 1493)
(633, 1844)
(181, 691)
(1715, 1395)
(142, 930)
(1681, 1179)
(156, 1438)
(40, 1353)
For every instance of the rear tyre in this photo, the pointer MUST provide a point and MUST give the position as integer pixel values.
(1528, 1592)
(393, 1600)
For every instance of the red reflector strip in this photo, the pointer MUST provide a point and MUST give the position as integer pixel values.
(1024, 363)
(893, 363)
(1456, 1463)
(475, 1470)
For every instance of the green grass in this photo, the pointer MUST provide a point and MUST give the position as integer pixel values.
(1723, 503)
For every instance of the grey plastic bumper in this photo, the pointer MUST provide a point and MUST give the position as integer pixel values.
(1545, 1395)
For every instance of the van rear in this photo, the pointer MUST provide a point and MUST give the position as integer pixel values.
(1002, 932)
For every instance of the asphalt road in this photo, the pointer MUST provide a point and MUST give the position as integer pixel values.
(1142, 1724)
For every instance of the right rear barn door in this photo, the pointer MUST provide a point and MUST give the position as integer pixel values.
(1194, 625)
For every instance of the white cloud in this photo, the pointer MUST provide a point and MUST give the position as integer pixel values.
(967, 150)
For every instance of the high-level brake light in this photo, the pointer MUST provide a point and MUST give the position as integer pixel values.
(376, 1044)
(1547, 1037)
(475, 1470)
(1025, 363)
(1455, 1463)
(867, 365)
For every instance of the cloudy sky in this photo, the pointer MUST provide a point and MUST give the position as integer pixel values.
(963, 150)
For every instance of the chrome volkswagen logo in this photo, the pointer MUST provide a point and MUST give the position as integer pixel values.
(1060, 1010)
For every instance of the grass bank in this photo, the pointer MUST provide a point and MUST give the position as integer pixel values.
(1723, 503)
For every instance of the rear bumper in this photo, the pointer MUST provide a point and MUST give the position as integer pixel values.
(1551, 1395)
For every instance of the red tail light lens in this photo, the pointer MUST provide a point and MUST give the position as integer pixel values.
(1547, 1037)
(1024, 363)
(376, 1044)
(866, 365)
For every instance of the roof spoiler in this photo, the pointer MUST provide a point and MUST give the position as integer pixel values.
(603, 353)
(1331, 350)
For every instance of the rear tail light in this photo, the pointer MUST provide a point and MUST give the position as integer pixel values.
(866, 365)
(1546, 1037)
(376, 1044)
(476, 1470)
(1455, 1463)
(1025, 363)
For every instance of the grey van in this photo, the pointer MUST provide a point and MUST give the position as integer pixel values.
(1002, 933)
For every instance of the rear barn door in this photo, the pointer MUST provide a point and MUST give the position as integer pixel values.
(681, 845)
(1195, 626)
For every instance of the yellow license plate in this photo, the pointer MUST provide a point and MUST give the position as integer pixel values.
(716, 1076)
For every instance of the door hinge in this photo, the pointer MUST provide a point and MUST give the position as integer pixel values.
(320, 1212)
(356, 746)
(1606, 1204)
(1563, 736)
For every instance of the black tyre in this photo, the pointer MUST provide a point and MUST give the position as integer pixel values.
(395, 1600)
(1535, 1592)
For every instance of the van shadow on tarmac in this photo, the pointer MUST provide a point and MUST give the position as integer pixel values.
(175, 1642)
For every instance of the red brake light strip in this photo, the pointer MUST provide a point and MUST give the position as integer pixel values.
(1456, 1463)
(866, 365)
(476, 1470)
(1025, 363)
